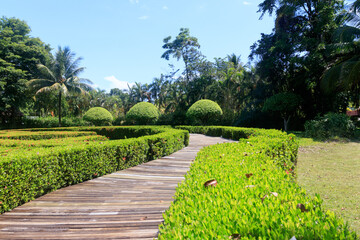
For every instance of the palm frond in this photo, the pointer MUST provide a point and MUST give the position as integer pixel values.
(39, 82)
(75, 72)
(73, 65)
(46, 71)
(341, 76)
(55, 86)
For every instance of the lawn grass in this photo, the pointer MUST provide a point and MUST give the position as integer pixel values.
(332, 169)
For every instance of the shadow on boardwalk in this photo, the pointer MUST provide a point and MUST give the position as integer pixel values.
(124, 205)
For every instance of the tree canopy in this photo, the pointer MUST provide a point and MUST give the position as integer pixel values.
(19, 55)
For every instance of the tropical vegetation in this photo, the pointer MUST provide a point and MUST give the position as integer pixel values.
(312, 52)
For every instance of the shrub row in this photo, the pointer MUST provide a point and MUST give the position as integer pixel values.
(235, 191)
(9, 147)
(111, 132)
(283, 147)
(26, 175)
(38, 135)
(48, 122)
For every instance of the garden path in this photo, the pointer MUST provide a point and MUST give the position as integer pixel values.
(127, 204)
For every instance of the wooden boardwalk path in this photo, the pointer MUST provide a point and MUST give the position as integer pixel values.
(124, 205)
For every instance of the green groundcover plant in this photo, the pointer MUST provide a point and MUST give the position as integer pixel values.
(247, 190)
(32, 167)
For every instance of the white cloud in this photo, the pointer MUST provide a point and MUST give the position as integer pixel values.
(116, 83)
(144, 17)
(165, 8)
(134, 1)
(246, 3)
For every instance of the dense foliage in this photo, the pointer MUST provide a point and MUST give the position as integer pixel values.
(330, 125)
(143, 113)
(50, 122)
(313, 52)
(98, 116)
(30, 168)
(19, 55)
(242, 190)
(284, 104)
(204, 112)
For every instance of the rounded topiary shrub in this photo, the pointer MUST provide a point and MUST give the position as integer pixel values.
(204, 112)
(142, 113)
(329, 126)
(98, 116)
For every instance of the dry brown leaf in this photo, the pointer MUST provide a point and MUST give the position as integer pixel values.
(263, 198)
(211, 183)
(235, 236)
(302, 207)
(248, 175)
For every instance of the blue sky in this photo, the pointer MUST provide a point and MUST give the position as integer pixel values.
(121, 40)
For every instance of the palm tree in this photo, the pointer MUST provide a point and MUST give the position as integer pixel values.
(62, 76)
(155, 89)
(343, 72)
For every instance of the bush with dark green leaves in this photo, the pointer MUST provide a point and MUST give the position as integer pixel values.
(329, 126)
(98, 116)
(204, 112)
(50, 122)
(32, 167)
(143, 113)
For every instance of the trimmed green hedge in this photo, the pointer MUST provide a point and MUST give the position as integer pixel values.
(98, 116)
(252, 198)
(49, 122)
(283, 147)
(204, 112)
(143, 113)
(30, 135)
(25, 175)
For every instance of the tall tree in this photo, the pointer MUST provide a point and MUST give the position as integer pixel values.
(19, 55)
(293, 57)
(183, 47)
(62, 76)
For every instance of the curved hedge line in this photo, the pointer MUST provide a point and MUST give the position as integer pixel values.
(252, 198)
(25, 175)
(283, 147)
(29, 135)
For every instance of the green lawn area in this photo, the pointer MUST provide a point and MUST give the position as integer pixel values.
(332, 169)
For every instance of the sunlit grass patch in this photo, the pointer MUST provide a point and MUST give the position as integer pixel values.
(332, 169)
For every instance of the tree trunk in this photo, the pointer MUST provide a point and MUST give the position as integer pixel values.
(286, 123)
(60, 108)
